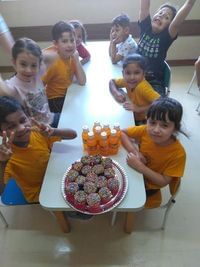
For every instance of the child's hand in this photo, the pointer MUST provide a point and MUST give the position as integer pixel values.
(5, 147)
(120, 97)
(45, 129)
(128, 106)
(135, 162)
(76, 55)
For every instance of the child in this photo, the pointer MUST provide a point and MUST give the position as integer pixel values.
(121, 42)
(24, 154)
(6, 39)
(161, 157)
(157, 34)
(26, 85)
(60, 74)
(139, 91)
(80, 41)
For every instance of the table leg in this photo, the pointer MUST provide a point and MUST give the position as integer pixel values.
(63, 221)
(129, 222)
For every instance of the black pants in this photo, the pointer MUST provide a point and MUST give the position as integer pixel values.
(56, 104)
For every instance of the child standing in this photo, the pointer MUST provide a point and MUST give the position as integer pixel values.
(81, 36)
(139, 91)
(60, 74)
(24, 154)
(26, 85)
(157, 34)
(161, 157)
(122, 43)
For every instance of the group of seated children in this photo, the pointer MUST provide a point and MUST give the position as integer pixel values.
(160, 158)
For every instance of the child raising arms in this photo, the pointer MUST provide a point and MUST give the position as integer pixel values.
(139, 91)
(157, 34)
(122, 43)
(24, 154)
(161, 157)
(60, 74)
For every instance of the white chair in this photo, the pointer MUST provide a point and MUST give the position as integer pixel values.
(174, 188)
(191, 82)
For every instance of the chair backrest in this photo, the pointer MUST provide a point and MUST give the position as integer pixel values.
(12, 194)
(167, 77)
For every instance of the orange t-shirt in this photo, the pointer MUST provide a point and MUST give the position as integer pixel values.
(58, 77)
(27, 165)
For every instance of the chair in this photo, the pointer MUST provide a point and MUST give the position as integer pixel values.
(191, 82)
(167, 78)
(155, 202)
(12, 195)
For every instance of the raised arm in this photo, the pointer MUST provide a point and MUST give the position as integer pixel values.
(6, 38)
(144, 9)
(180, 17)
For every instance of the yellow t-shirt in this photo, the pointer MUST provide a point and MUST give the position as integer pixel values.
(142, 95)
(167, 160)
(58, 77)
(27, 165)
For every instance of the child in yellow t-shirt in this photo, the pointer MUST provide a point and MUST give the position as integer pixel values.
(140, 93)
(161, 157)
(24, 154)
(60, 73)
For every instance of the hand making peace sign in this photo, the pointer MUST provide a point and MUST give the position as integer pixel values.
(5, 146)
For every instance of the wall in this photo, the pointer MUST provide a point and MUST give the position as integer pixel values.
(47, 12)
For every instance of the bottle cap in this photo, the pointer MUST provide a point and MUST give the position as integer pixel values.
(116, 125)
(90, 134)
(98, 129)
(103, 134)
(113, 132)
(85, 128)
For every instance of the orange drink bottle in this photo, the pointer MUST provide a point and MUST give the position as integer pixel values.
(113, 142)
(97, 134)
(106, 128)
(117, 128)
(92, 144)
(96, 123)
(85, 136)
(103, 144)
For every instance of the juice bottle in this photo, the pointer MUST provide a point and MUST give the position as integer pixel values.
(117, 128)
(96, 123)
(103, 144)
(106, 128)
(92, 144)
(85, 136)
(97, 134)
(113, 142)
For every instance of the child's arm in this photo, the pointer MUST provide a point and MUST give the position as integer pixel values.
(83, 53)
(180, 17)
(132, 107)
(80, 74)
(154, 177)
(49, 55)
(144, 9)
(117, 94)
(6, 38)
(115, 57)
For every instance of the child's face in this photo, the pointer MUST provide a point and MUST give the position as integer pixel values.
(27, 66)
(161, 19)
(18, 123)
(79, 37)
(160, 131)
(66, 45)
(133, 75)
(119, 34)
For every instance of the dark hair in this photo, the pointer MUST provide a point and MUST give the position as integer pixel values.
(77, 24)
(61, 27)
(26, 45)
(135, 58)
(121, 20)
(165, 107)
(8, 105)
(173, 9)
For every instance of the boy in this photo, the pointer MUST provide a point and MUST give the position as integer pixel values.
(157, 34)
(121, 42)
(24, 154)
(60, 74)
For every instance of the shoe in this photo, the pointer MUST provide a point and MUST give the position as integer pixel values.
(78, 215)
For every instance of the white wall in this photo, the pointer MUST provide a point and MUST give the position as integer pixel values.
(47, 12)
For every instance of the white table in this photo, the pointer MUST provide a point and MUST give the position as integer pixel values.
(84, 105)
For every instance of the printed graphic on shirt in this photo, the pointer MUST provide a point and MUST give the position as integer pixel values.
(149, 46)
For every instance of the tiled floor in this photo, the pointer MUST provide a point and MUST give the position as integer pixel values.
(34, 239)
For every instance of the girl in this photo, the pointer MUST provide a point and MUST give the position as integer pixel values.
(26, 85)
(81, 36)
(139, 91)
(24, 154)
(156, 36)
(161, 157)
